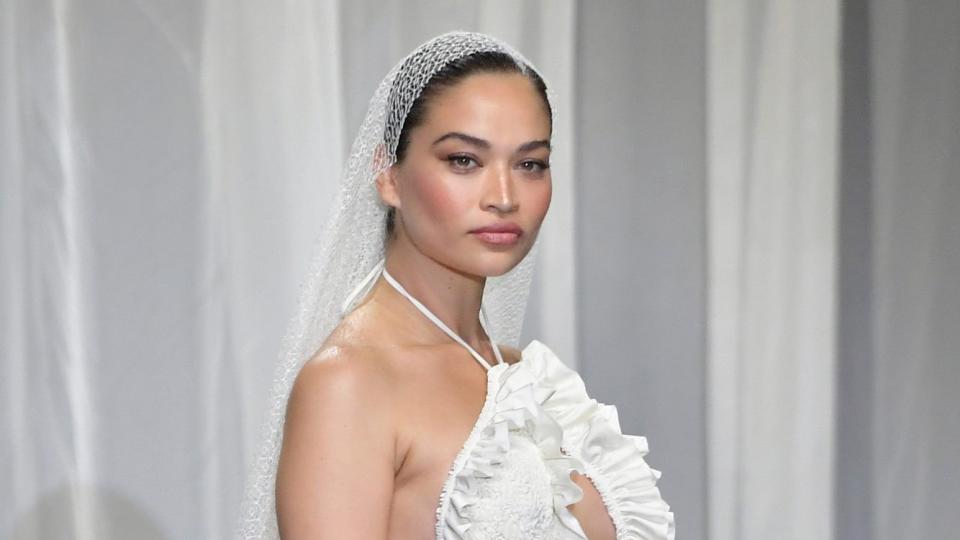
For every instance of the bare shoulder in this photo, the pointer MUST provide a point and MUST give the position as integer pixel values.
(339, 421)
(345, 375)
(355, 372)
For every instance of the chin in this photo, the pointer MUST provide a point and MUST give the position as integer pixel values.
(490, 264)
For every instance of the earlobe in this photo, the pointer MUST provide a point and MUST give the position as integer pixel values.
(387, 186)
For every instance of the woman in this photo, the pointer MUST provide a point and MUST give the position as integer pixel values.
(405, 417)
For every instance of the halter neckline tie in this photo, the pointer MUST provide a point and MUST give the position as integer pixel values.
(380, 268)
(436, 320)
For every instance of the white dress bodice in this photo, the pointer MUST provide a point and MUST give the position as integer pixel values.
(512, 477)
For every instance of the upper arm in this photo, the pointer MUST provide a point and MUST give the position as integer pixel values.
(591, 512)
(336, 468)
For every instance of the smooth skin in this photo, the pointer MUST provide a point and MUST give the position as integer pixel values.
(377, 416)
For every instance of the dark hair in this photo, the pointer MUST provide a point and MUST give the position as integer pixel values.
(448, 76)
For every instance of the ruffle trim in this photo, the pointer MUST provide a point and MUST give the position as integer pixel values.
(511, 403)
(613, 461)
(574, 433)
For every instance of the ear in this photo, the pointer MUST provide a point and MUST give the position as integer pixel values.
(388, 187)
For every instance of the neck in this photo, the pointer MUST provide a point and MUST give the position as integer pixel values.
(451, 295)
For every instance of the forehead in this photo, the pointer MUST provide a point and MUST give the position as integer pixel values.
(500, 107)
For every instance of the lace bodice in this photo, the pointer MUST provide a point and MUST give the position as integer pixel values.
(511, 479)
(514, 499)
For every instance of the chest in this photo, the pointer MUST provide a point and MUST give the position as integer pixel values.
(461, 468)
(439, 405)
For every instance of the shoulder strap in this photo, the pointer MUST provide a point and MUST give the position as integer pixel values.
(436, 320)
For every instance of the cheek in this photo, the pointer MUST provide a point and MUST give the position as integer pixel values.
(437, 198)
(537, 198)
(547, 195)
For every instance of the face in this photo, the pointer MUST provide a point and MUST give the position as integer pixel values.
(479, 160)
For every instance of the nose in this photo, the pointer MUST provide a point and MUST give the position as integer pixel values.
(499, 194)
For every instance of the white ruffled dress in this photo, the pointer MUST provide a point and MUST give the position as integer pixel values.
(511, 479)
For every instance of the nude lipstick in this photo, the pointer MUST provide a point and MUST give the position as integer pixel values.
(501, 234)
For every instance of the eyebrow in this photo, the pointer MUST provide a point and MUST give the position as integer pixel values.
(476, 141)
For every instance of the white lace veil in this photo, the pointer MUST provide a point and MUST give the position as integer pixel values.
(352, 244)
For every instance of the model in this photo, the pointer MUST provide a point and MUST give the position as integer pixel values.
(400, 409)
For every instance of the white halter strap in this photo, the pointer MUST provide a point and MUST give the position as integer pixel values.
(436, 320)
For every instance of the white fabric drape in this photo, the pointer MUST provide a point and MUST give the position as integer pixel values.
(165, 169)
(808, 438)
(273, 129)
(162, 179)
(772, 183)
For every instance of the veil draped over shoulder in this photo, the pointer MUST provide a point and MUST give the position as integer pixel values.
(351, 245)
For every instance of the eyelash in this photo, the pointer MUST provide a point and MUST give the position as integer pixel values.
(541, 165)
(455, 158)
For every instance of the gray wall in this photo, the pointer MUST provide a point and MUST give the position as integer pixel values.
(854, 491)
(641, 168)
(898, 433)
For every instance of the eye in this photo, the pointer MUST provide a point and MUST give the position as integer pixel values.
(534, 165)
(462, 162)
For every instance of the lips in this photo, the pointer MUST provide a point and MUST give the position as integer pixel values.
(500, 228)
(499, 233)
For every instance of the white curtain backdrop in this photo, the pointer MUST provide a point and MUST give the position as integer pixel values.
(772, 184)
(272, 105)
(833, 362)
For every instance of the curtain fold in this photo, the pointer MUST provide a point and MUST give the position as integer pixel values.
(271, 96)
(44, 270)
(772, 182)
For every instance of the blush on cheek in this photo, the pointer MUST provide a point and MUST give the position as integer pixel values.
(438, 195)
(438, 202)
